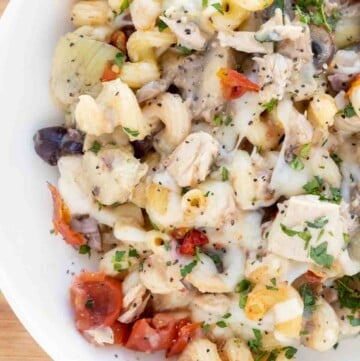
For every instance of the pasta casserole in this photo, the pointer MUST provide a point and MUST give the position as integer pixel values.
(209, 157)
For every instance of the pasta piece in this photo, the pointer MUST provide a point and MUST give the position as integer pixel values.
(144, 13)
(99, 33)
(231, 17)
(250, 177)
(323, 328)
(160, 278)
(209, 308)
(254, 5)
(118, 261)
(211, 204)
(143, 67)
(156, 241)
(243, 229)
(93, 13)
(202, 349)
(322, 110)
(206, 278)
(163, 202)
(174, 114)
(117, 138)
(116, 105)
(172, 301)
(284, 303)
(190, 162)
(236, 349)
(104, 175)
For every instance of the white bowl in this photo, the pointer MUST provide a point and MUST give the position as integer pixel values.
(36, 267)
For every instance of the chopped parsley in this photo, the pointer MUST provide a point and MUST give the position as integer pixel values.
(119, 59)
(115, 204)
(312, 11)
(297, 164)
(95, 148)
(305, 150)
(290, 352)
(304, 235)
(255, 344)
(221, 324)
(125, 4)
(85, 249)
(244, 287)
(183, 50)
(205, 327)
(346, 238)
(224, 174)
(308, 296)
(227, 315)
(317, 187)
(133, 253)
(132, 132)
(271, 104)
(348, 289)
(218, 7)
(204, 3)
(273, 285)
(221, 119)
(320, 256)
(184, 190)
(348, 111)
(117, 259)
(188, 268)
(319, 222)
(161, 25)
(167, 246)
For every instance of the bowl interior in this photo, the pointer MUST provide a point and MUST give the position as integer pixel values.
(36, 267)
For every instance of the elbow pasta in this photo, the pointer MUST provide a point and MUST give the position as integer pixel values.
(212, 157)
(144, 13)
(174, 114)
(231, 18)
(143, 67)
(91, 13)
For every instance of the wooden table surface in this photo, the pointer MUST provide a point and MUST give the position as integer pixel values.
(15, 342)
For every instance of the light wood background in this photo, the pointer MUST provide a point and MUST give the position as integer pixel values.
(15, 342)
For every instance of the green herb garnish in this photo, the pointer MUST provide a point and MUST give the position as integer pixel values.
(95, 148)
(271, 104)
(319, 255)
(133, 133)
(218, 7)
(224, 174)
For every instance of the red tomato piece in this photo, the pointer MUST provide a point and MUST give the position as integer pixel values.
(158, 333)
(235, 84)
(61, 220)
(96, 299)
(193, 239)
(186, 333)
(121, 333)
(108, 73)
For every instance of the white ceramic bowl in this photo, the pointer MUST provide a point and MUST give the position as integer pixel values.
(33, 263)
